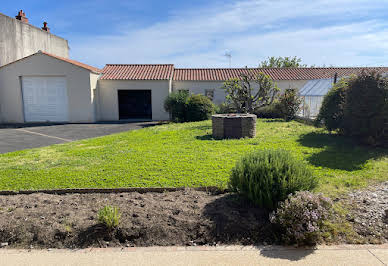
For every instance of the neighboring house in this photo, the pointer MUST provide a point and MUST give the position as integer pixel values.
(45, 87)
(19, 39)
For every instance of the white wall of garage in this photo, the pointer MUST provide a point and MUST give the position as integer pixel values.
(199, 87)
(108, 107)
(81, 84)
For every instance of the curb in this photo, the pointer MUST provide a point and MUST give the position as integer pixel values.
(203, 248)
(212, 189)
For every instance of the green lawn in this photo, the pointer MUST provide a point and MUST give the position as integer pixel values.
(186, 155)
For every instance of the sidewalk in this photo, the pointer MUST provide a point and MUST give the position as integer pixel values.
(222, 255)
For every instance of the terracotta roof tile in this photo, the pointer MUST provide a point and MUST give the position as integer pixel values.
(138, 72)
(93, 69)
(221, 74)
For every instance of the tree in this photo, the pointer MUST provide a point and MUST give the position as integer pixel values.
(282, 62)
(250, 91)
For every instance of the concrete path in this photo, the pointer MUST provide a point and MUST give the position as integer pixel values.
(224, 255)
(29, 136)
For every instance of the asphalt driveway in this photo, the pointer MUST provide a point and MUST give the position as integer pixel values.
(27, 137)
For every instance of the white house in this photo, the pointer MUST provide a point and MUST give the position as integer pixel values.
(47, 86)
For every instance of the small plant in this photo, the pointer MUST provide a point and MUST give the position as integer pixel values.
(289, 103)
(269, 176)
(109, 216)
(300, 218)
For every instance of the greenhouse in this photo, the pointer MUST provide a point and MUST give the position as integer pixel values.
(312, 94)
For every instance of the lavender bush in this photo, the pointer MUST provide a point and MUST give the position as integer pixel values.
(301, 217)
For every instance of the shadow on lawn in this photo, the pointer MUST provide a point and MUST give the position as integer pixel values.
(339, 152)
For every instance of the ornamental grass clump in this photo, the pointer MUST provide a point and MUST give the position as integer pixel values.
(267, 177)
(300, 218)
(109, 216)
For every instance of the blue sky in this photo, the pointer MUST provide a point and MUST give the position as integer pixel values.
(198, 33)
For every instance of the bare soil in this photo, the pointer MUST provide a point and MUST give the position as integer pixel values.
(172, 218)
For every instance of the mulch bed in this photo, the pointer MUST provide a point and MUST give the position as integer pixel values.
(186, 217)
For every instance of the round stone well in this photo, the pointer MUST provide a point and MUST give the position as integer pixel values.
(234, 126)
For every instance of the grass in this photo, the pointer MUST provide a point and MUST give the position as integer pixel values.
(186, 155)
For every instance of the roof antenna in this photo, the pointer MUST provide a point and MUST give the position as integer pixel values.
(228, 54)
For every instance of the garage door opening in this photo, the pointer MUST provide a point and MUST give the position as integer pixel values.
(135, 104)
(45, 99)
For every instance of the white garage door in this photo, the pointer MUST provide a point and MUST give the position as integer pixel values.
(45, 99)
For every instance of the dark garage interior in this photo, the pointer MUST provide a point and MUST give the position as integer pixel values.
(135, 104)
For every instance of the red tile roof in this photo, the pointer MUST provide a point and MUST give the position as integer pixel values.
(93, 69)
(221, 74)
(138, 72)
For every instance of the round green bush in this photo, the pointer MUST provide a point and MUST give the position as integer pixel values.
(366, 109)
(176, 105)
(331, 113)
(268, 176)
(270, 111)
(199, 107)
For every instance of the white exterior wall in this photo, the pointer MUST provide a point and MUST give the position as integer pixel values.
(108, 97)
(80, 98)
(94, 94)
(18, 40)
(199, 87)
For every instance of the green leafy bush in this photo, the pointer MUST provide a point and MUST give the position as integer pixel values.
(271, 111)
(289, 103)
(199, 107)
(176, 105)
(300, 218)
(269, 176)
(331, 113)
(184, 107)
(358, 107)
(109, 216)
(224, 108)
(366, 109)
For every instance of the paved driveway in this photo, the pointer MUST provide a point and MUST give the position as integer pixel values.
(13, 139)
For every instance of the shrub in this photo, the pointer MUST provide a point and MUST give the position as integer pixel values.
(331, 113)
(109, 216)
(358, 107)
(269, 176)
(366, 109)
(289, 103)
(224, 108)
(176, 105)
(301, 217)
(271, 111)
(199, 107)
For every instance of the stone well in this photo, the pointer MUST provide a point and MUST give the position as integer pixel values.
(234, 125)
